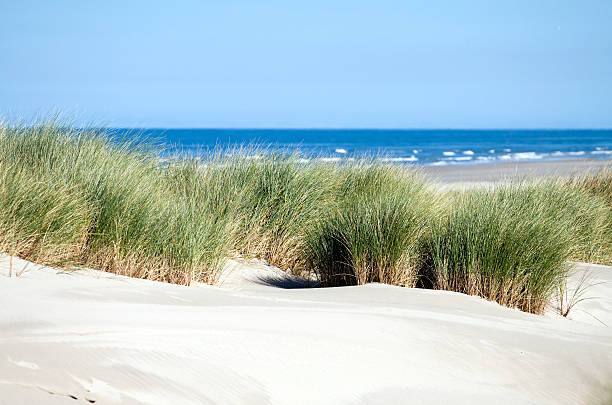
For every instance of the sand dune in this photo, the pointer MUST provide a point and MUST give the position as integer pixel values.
(84, 336)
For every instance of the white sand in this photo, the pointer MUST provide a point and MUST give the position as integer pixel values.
(489, 173)
(111, 339)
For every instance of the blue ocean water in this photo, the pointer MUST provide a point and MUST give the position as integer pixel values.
(418, 147)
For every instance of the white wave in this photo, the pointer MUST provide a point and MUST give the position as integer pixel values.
(491, 150)
(527, 155)
(468, 152)
(401, 159)
(340, 150)
(447, 153)
(330, 159)
(559, 153)
(302, 160)
(486, 158)
(598, 148)
(439, 163)
(457, 158)
(522, 156)
(507, 150)
(415, 151)
(601, 152)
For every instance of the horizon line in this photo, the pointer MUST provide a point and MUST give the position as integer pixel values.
(355, 128)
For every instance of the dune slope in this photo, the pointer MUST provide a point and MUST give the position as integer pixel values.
(92, 337)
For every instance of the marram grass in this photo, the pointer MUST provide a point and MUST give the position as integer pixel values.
(371, 232)
(599, 186)
(42, 218)
(502, 244)
(82, 196)
(137, 227)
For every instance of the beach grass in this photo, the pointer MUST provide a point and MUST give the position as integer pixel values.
(371, 232)
(598, 185)
(509, 244)
(270, 204)
(86, 196)
(136, 227)
(41, 218)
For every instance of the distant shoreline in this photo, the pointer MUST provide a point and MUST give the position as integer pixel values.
(491, 172)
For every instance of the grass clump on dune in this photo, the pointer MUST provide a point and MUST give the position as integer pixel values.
(83, 196)
(281, 203)
(509, 243)
(599, 183)
(41, 218)
(371, 233)
(136, 226)
(599, 186)
(271, 203)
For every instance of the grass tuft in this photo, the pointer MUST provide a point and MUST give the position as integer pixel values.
(131, 223)
(500, 243)
(596, 246)
(372, 233)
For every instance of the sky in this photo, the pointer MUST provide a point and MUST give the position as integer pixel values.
(310, 64)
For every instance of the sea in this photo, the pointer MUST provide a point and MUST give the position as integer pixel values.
(440, 147)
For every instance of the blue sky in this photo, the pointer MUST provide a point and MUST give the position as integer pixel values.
(384, 64)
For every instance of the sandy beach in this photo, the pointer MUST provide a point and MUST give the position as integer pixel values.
(92, 337)
(486, 173)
